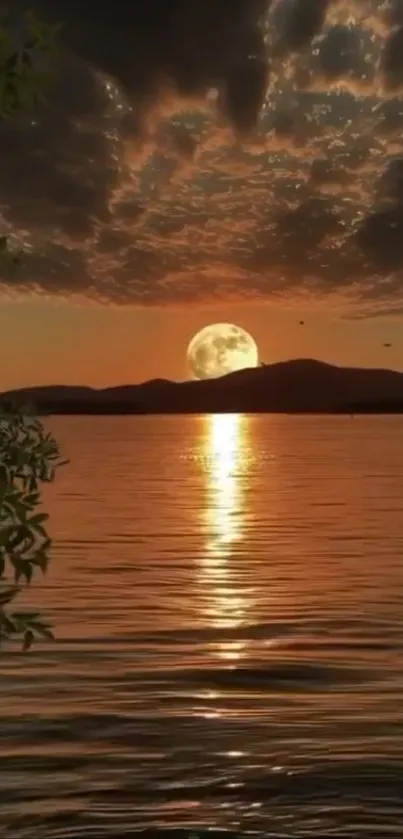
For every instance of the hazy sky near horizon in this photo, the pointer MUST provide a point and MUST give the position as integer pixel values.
(202, 161)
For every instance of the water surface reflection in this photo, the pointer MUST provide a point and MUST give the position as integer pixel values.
(149, 713)
(228, 601)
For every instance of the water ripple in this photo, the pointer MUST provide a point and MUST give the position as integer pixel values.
(228, 601)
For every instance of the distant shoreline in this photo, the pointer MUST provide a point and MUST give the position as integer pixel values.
(364, 411)
(298, 387)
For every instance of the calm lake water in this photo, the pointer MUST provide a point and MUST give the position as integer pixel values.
(228, 600)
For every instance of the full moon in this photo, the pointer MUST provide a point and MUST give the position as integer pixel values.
(219, 349)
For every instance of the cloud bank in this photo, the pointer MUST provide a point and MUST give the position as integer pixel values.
(214, 150)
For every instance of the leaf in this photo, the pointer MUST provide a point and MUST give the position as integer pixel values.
(28, 455)
(38, 519)
(32, 498)
(41, 531)
(25, 617)
(27, 572)
(21, 534)
(32, 483)
(4, 476)
(7, 624)
(5, 535)
(41, 561)
(46, 545)
(28, 640)
(23, 569)
(7, 595)
(42, 629)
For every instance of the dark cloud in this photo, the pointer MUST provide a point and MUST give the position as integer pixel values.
(324, 171)
(144, 45)
(245, 90)
(300, 20)
(381, 237)
(214, 149)
(392, 60)
(390, 183)
(394, 13)
(338, 52)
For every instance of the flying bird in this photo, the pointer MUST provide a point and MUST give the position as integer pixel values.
(387, 345)
(302, 323)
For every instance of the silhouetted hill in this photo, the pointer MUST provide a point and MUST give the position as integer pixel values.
(298, 386)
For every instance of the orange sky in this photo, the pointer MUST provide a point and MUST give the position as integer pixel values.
(62, 343)
(135, 185)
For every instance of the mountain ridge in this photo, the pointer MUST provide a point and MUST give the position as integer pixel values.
(294, 386)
